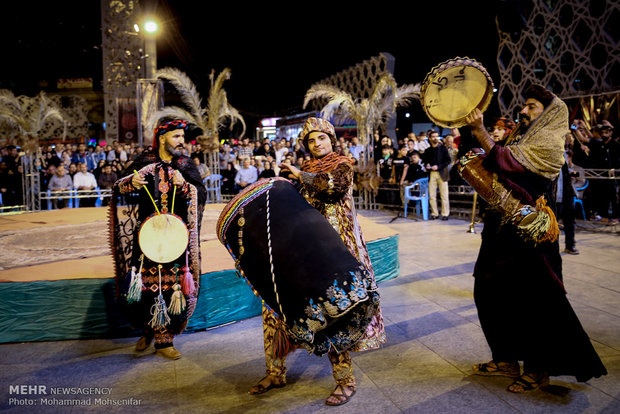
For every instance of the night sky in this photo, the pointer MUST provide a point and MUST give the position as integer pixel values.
(274, 53)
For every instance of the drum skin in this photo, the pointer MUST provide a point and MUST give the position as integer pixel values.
(453, 89)
(317, 284)
(163, 237)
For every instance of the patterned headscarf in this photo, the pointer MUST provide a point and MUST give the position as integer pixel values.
(505, 123)
(167, 127)
(317, 125)
(540, 148)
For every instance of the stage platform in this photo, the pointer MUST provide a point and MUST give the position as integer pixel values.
(56, 276)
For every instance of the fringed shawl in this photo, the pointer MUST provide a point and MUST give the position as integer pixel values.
(541, 148)
(326, 164)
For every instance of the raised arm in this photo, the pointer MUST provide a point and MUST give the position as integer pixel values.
(475, 120)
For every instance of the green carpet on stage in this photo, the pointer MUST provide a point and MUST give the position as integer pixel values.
(87, 308)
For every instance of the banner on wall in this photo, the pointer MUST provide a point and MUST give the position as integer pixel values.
(127, 120)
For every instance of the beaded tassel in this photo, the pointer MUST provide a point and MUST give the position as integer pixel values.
(135, 287)
(188, 280)
(177, 302)
(158, 310)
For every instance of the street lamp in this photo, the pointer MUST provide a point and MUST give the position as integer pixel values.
(148, 92)
(151, 29)
(150, 26)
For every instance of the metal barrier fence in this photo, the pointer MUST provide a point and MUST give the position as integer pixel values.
(601, 174)
(73, 196)
(461, 196)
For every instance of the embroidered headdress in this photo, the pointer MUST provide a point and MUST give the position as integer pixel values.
(317, 125)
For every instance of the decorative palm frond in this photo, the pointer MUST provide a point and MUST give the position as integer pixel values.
(209, 119)
(186, 88)
(29, 117)
(234, 116)
(8, 100)
(218, 106)
(381, 101)
(406, 94)
(367, 113)
(47, 112)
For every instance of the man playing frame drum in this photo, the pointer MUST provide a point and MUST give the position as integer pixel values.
(156, 243)
(519, 293)
(326, 183)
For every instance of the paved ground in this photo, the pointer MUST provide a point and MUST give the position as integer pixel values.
(434, 338)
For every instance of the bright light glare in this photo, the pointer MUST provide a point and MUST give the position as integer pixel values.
(150, 26)
(136, 27)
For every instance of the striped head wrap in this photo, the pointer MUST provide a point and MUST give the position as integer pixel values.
(505, 123)
(167, 127)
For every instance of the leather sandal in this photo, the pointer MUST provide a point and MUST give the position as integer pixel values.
(260, 388)
(529, 382)
(492, 368)
(343, 397)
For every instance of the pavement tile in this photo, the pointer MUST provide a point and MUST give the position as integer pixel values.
(425, 367)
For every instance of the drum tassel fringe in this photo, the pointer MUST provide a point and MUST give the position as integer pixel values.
(158, 310)
(282, 344)
(178, 302)
(188, 279)
(545, 227)
(135, 287)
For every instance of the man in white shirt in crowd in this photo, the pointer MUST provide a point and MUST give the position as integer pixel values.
(246, 175)
(83, 180)
(60, 182)
(423, 142)
(356, 148)
(281, 151)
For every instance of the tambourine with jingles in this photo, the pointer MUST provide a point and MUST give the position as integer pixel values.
(296, 262)
(452, 89)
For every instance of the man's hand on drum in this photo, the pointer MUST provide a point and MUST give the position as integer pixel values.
(138, 180)
(294, 172)
(475, 119)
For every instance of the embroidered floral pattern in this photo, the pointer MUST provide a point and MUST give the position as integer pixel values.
(355, 296)
(338, 296)
(314, 312)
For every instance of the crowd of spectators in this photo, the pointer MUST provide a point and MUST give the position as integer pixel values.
(72, 166)
(243, 161)
(416, 156)
(598, 150)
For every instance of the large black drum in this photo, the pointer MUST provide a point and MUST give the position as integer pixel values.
(297, 263)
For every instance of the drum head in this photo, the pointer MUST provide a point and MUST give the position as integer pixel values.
(453, 89)
(163, 237)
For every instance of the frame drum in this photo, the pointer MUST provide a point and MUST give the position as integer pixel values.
(453, 89)
(163, 237)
